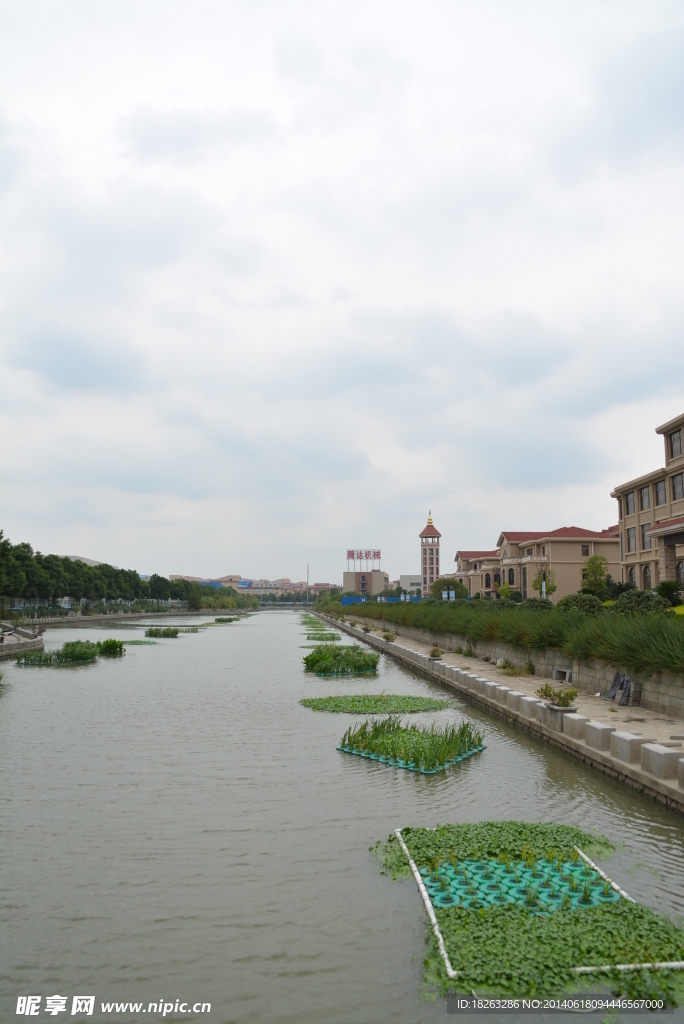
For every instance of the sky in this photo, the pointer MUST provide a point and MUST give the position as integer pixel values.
(277, 278)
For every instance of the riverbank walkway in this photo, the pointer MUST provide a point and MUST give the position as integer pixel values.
(641, 748)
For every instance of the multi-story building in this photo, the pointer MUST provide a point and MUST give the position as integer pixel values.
(521, 554)
(473, 567)
(413, 585)
(651, 517)
(429, 555)
(372, 581)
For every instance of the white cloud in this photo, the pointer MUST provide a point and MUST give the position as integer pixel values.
(276, 280)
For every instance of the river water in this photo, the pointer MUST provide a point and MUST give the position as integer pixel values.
(175, 826)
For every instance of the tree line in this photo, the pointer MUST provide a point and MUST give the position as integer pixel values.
(28, 574)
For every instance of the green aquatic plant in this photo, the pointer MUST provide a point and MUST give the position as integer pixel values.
(332, 659)
(227, 618)
(424, 748)
(509, 951)
(324, 637)
(163, 632)
(75, 652)
(110, 648)
(375, 704)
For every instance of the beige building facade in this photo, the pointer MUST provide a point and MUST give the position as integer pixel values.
(521, 554)
(651, 517)
(371, 582)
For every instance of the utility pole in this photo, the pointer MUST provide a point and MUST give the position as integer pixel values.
(307, 582)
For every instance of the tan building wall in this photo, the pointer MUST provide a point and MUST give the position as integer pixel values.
(649, 500)
(519, 556)
(371, 582)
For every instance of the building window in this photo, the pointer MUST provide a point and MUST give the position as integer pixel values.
(488, 581)
(631, 538)
(647, 577)
(585, 550)
(543, 549)
(680, 572)
(645, 498)
(629, 504)
(645, 539)
(497, 578)
(622, 547)
(675, 444)
(475, 566)
(631, 576)
(660, 493)
(619, 508)
(511, 576)
(678, 487)
(528, 552)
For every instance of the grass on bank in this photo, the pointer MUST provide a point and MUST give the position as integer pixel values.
(640, 643)
(332, 659)
(375, 704)
(513, 950)
(423, 748)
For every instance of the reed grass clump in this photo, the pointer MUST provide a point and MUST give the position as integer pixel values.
(75, 652)
(227, 618)
(642, 643)
(375, 704)
(419, 747)
(163, 632)
(322, 637)
(333, 659)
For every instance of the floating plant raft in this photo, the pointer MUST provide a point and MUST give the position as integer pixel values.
(375, 704)
(333, 660)
(520, 910)
(419, 749)
(324, 637)
(76, 652)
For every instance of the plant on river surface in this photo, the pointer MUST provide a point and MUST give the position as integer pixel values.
(73, 653)
(110, 648)
(332, 659)
(373, 704)
(163, 632)
(420, 747)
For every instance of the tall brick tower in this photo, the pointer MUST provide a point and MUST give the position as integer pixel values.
(429, 556)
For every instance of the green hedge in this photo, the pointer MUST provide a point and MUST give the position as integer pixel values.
(640, 643)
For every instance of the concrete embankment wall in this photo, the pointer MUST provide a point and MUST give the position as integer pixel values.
(663, 691)
(537, 720)
(11, 648)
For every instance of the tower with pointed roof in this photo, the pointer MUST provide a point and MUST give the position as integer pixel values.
(429, 555)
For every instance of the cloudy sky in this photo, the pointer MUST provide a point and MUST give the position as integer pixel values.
(276, 278)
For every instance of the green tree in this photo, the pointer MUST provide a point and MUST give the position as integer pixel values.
(545, 575)
(447, 583)
(595, 576)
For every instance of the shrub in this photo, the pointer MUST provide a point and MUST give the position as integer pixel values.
(641, 601)
(639, 643)
(165, 632)
(582, 602)
(561, 698)
(669, 591)
(537, 604)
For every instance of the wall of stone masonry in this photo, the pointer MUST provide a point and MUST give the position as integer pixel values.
(662, 692)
